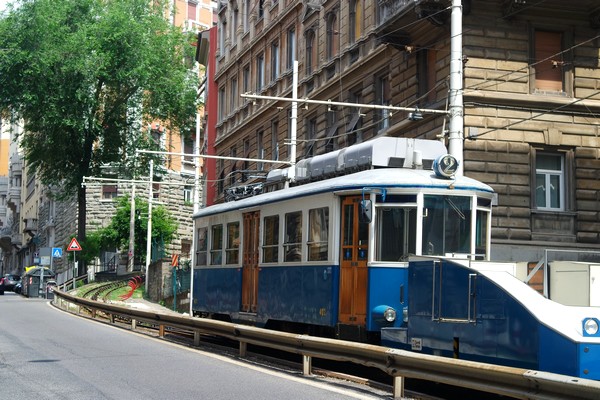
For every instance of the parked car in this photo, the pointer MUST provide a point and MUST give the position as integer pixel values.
(18, 287)
(9, 281)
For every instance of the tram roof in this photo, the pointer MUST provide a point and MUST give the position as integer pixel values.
(386, 178)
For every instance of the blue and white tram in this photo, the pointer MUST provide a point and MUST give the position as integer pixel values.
(329, 255)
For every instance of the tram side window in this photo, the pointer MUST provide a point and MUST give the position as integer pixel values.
(233, 243)
(293, 236)
(396, 228)
(216, 245)
(446, 225)
(271, 239)
(318, 234)
(201, 246)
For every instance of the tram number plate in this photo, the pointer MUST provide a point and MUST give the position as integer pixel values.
(416, 344)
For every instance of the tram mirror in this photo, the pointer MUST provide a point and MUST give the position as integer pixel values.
(366, 211)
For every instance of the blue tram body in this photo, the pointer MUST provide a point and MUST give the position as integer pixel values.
(329, 255)
(488, 315)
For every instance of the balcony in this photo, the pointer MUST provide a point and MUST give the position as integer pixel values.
(30, 226)
(396, 17)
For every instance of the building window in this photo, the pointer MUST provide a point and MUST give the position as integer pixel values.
(274, 140)
(332, 36)
(354, 127)
(260, 149)
(233, 243)
(216, 245)
(233, 98)
(109, 192)
(233, 173)
(246, 15)
(274, 60)
(222, 33)
(271, 239)
(356, 18)
(318, 234)
(191, 10)
(187, 194)
(246, 80)
(260, 71)
(222, 102)
(426, 76)
(261, 9)
(332, 128)
(311, 134)
(201, 246)
(291, 47)
(382, 95)
(311, 51)
(549, 64)
(156, 191)
(221, 180)
(234, 24)
(246, 163)
(549, 181)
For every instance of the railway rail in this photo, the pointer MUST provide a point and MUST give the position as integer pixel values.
(506, 381)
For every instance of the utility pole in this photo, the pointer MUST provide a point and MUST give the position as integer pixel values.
(456, 106)
(149, 236)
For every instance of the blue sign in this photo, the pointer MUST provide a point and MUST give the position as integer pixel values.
(57, 252)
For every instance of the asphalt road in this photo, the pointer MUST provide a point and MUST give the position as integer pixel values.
(48, 354)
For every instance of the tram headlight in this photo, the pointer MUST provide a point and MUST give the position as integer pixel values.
(590, 327)
(384, 313)
(390, 315)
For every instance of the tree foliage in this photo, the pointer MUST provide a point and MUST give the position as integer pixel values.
(86, 77)
(116, 234)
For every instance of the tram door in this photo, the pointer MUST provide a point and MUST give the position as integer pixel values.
(250, 262)
(353, 274)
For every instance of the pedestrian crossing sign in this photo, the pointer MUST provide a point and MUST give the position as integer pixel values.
(57, 252)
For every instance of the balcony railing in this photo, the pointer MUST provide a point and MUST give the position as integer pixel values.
(388, 9)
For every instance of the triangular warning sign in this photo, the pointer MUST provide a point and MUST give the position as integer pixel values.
(74, 245)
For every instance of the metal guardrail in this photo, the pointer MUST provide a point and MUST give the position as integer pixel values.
(513, 382)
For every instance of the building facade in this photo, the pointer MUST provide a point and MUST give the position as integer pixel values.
(531, 95)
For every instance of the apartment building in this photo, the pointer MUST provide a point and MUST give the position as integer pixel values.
(531, 95)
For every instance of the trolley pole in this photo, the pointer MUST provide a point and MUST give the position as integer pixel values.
(456, 106)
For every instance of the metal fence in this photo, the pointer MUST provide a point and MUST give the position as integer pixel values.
(400, 364)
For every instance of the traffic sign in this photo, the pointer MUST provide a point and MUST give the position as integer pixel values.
(74, 245)
(57, 252)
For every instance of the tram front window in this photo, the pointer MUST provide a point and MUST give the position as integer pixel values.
(446, 225)
(396, 228)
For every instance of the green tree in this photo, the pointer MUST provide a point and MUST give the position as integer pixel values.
(116, 234)
(86, 77)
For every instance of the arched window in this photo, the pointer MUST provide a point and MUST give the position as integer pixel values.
(355, 20)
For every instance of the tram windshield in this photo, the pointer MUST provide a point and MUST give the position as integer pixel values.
(446, 225)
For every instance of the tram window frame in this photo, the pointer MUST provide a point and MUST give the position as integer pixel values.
(439, 228)
(232, 252)
(270, 247)
(292, 244)
(411, 231)
(318, 234)
(216, 244)
(201, 246)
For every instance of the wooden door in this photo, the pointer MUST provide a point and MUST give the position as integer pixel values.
(250, 261)
(353, 260)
